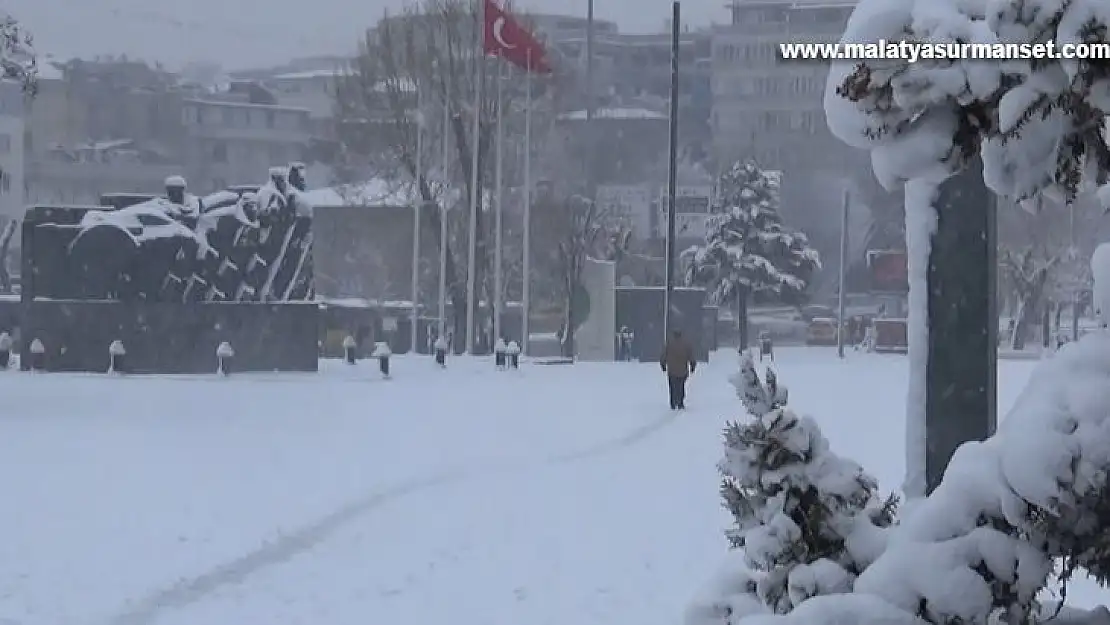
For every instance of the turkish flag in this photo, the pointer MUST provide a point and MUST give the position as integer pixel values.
(504, 37)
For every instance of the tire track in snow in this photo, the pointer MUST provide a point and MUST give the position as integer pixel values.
(146, 610)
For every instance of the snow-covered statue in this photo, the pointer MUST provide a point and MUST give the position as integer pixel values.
(181, 203)
(272, 197)
(295, 194)
(231, 245)
(297, 178)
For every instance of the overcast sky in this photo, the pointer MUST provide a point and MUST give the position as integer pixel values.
(251, 33)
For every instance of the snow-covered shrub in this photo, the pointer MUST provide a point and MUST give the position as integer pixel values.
(982, 546)
(807, 521)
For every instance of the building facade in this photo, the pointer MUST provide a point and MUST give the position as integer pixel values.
(12, 162)
(230, 142)
(764, 106)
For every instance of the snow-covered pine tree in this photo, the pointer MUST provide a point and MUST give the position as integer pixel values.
(748, 248)
(807, 521)
(18, 61)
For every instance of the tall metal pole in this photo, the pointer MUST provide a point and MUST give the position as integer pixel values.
(526, 295)
(472, 250)
(415, 315)
(446, 175)
(843, 272)
(591, 103)
(499, 167)
(672, 172)
(1075, 287)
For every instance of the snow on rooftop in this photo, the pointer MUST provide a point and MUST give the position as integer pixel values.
(613, 113)
(372, 193)
(310, 75)
(376, 193)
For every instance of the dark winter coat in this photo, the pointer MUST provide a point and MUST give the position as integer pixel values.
(678, 358)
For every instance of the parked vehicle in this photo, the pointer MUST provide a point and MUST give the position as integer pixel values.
(821, 331)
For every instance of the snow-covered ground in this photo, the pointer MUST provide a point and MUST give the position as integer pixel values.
(562, 495)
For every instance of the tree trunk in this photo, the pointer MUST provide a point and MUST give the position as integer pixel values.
(1075, 318)
(1021, 325)
(480, 257)
(742, 296)
(1046, 325)
(961, 370)
(568, 332)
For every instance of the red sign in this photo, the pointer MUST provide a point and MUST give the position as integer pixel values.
(888, 271)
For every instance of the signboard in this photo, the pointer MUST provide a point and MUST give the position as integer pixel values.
(630, 203)
(693, 205)
(888, 271)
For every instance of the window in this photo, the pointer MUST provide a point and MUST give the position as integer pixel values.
(271, 119)
(219, 152)
(278, 154)
(229, 116)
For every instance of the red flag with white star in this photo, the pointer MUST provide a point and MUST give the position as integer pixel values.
(505, 37)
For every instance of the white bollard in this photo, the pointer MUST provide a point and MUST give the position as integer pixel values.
(349, 345)
(382, 352)
(440, 347)
(38, 355)
(5, 350)
(116, 352)
(224, 356)
(499, 351)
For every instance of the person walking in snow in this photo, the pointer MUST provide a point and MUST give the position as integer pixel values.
(678, 363)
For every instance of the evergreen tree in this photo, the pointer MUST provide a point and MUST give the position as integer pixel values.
(18, 61)
(748, 248)
(807, 521)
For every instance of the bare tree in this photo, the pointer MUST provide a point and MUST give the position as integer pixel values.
(7, 233)
(431, 49)
(575, 231)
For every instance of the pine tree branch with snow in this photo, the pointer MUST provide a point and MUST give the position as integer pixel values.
(18, 60)
(1037, 123)
(807, 521)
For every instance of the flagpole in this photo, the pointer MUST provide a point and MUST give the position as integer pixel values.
(446, 165)
(672, 172)
(472, 250)
(526, 296)
(499, 197)
(415, 315)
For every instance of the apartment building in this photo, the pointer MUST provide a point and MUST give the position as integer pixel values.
(313, 90)
(634, 70)
(102, 126)
(12, 130)
(228, 142)
(769, 108)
